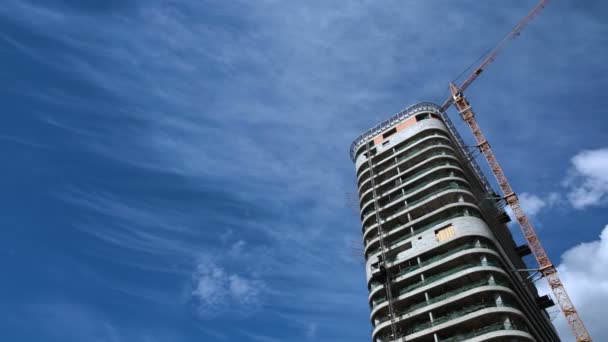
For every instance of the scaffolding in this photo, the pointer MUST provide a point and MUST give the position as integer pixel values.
(382, 270)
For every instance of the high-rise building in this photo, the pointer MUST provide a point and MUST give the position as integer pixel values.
(441, 262)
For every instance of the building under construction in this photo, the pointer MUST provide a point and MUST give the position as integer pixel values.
(441, 263)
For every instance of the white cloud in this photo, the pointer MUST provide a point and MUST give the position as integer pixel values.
(245, 291)
(216, 291)
(210, 286)
(583, 273)
(534, 204)
(588, 180)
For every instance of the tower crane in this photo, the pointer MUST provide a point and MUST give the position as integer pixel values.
(546, 268)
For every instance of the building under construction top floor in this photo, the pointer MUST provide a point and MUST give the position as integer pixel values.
(441, 263)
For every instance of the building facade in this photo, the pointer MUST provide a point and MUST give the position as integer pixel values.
(441, 263)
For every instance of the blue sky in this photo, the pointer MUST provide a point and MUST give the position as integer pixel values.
(179, 170)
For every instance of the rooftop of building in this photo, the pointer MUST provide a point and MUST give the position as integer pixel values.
(422, 107)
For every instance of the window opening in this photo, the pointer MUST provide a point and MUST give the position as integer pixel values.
(389, 132)
(445, 233)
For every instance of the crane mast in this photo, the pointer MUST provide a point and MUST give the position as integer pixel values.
(546, 268)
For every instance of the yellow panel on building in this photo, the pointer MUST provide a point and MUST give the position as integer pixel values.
(445, 233)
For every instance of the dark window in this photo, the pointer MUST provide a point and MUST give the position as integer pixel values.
(422, 117)
(389, 132)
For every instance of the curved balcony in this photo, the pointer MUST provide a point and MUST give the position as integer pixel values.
(400, 208)
(408, 187)
(388, 153)
(407, 175)
(406, 163)
(409, 282)
(488, 332)
(404, 199)
(466, 248)
(421, 210)
(434, 281)
(456, 295)
(400, 148)
(400, 234)
(414, 157)
(467, 310)
(474, 316)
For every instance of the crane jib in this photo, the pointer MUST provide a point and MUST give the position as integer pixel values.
(545, 266)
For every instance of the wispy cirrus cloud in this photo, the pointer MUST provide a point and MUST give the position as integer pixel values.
(70, 321)
(242, 115)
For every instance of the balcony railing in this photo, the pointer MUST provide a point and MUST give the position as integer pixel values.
(443, 296)
(445, 274)
(454, 315)
(437, 277)
(409, 178)
(453, 185)
(422, 228)
(379, 173)
(441, 256)
(417, 229)
(398, 149)
(408, 192)
(490, 328)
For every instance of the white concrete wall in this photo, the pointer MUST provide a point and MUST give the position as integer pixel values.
(398, 137)
(426, 241)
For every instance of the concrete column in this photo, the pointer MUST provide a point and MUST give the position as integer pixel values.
(431, 317)
(484, 260)
(436, 338)
(498, 300)
(426, 297)
(507, 323)
(491, 280)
